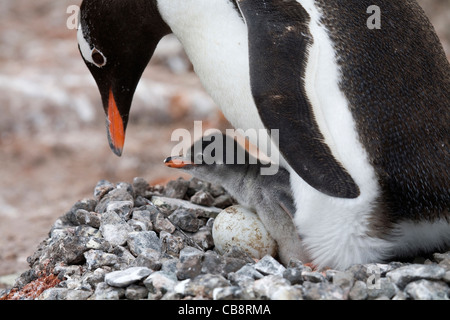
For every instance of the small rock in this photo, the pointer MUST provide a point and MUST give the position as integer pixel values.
(114, 229)
(223, 201)
(190, 263)
(403, 275)
(293, 275)
(228, 293)
(202, 198)
(204, 285)
(105, 292)
(114, 199)
(126, 277)
(322, 291)
(176, 188)
(185, 220)
(268, 286)
(137, 225)
(203, 238)
(97, 258)
(245, 274)
(102, 188)
(428, 290)
(54, 294)
(358, 291)
(171, 244)
(212, 263)
(160, 282)
(268, 265)
(382, 288)
(148, 258)
(135, 292)
(140, 186)
(138, 242)
(161, 223)
(169, 205)
(89, 218)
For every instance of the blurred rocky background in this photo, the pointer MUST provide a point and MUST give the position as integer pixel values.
(53, 146)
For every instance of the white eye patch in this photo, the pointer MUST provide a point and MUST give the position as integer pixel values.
(92, 55)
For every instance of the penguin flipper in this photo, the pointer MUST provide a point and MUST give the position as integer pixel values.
(278, 40)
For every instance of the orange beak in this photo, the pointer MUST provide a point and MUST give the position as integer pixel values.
(177, 162)
(116, 130)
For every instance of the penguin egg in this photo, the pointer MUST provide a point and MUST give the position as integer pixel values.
(242, 228)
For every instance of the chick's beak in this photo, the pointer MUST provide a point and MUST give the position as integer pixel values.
(177, 162)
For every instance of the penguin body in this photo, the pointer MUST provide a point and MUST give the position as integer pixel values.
(362, 115)
(267, 195)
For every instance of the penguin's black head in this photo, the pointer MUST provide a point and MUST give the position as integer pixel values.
(116, 40)
(212, 157)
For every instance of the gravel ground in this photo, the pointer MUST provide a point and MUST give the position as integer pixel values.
(135, 241)
(52, 138)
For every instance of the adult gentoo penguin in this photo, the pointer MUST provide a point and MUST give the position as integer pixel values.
(232, 167)
(363, 114)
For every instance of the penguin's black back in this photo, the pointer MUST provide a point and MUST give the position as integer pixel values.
(397, 82)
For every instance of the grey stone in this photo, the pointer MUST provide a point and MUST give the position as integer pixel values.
(202, 198)
(212, 263)
(122, 208)
(383, 287)
(123, 278)
(114, 198)
(203, 238)
(114, 229)
(169, 205)
(148, 258)
(190, 263)
(245, 274)
(185, 220)
(313, 276)
(105, 292)
(135, 292)
(428, 290)
(403, 275)
(229, 293)
(102, 188)
(78, 294)
(358, 291)
(160, 282)
(171, 244)
(268, 286)
(268, 265)
(176, 188)
(54, 294)
(161, 223)
(322, 291)
(140, 186)
(97, 258)
(89, 218)
(223, 201)
(95, 277)
(293, 275)
(138, 242)
(137, 225)
(204, 285)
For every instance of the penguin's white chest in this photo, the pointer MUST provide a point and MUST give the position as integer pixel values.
(215, 38)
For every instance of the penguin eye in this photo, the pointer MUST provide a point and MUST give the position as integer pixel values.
(98, 58)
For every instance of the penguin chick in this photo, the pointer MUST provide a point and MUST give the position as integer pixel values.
(219, 159)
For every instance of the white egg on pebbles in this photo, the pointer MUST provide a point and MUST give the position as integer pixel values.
(238, 226)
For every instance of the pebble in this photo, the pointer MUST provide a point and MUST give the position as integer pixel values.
(124, 278)
(134, 241)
